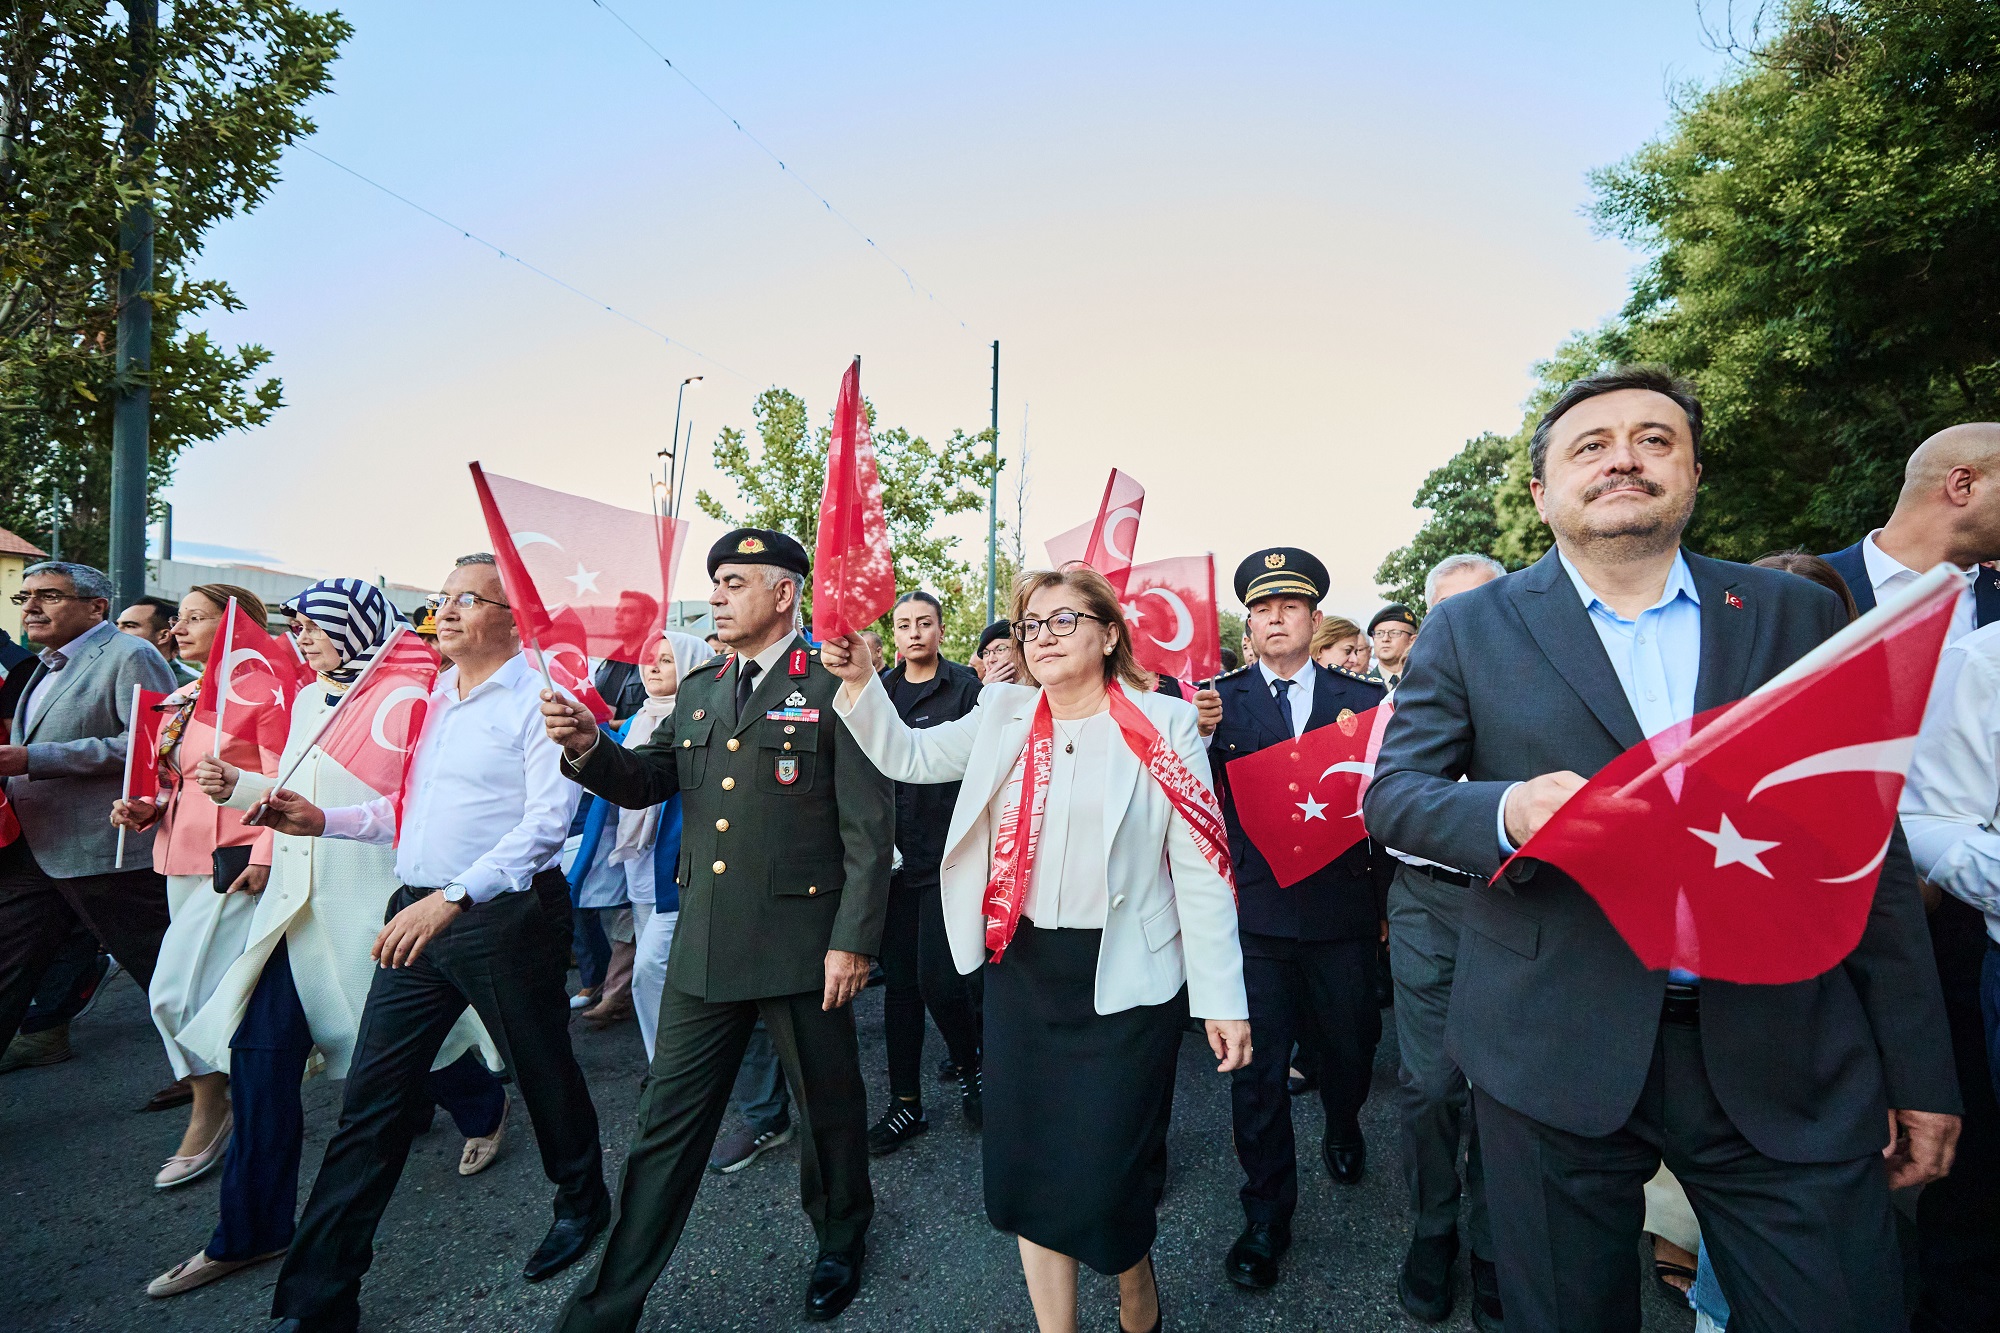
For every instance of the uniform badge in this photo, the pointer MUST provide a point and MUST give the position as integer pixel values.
(725, 667)
(700, 713)
(1346, 722)
(750, 546)
(795, 700)
(1275, 560)
(796, 664)
(788, 770)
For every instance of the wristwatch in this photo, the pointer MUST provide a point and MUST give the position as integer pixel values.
(457, 895)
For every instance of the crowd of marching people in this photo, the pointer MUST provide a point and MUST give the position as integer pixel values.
(1065, 861)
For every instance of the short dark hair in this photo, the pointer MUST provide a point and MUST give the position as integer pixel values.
(1809, 566)
(164, 611)
(1650, 377)
(476, 558)
(921, 596)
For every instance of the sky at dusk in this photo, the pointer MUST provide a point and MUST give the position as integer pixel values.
(1275, 260)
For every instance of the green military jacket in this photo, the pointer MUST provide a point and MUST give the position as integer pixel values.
(786, 827)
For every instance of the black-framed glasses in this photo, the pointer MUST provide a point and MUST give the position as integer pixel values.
(464, 601)
(1062, 624)
(46, 596)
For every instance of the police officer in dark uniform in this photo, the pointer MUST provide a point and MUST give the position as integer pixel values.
(1308, 950)
(784, 879)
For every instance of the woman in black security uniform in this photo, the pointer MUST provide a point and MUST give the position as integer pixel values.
(1087, 854)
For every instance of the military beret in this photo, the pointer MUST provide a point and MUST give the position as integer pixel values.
(1281, 571)
(999, 629)
(1395, 611)
(759, 546)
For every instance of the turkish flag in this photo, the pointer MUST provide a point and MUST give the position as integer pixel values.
(142, 746)
(854, 572)
(568, 664)
(1745, 844)
(10, 824)
(1170, 607)
(247, 689)
(372, 731)
(1300, 802)
(1107, 541)
(611, 568)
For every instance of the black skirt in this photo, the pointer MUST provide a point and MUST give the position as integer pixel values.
(1077, 1102)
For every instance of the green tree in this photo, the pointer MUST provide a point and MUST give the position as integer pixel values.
(1459, 496)
(232, 77)
(780, 479)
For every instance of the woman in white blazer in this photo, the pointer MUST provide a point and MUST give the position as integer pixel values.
(1106, 919)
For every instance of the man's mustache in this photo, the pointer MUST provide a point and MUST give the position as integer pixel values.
(1610, 484)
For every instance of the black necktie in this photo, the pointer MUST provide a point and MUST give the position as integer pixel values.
(746, 681)
(1281, 688)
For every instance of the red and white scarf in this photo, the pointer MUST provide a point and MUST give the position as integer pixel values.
(1014, 854)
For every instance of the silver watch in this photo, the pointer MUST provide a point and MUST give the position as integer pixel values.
(457, 895)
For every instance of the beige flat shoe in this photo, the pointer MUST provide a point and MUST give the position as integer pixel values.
(181, 1170)
(199, 1272)
(480, 1152)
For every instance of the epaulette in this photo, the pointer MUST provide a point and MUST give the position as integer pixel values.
(716, 660)
(1234, 672)
(1356, 675)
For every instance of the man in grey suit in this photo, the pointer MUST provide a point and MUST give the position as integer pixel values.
(1772, 1104)
(61, 776)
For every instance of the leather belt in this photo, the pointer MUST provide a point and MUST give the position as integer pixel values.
(1683, 1005)
(1446, 875)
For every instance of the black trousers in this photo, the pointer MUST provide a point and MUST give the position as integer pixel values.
(1809, 1246)
(1320, 993)
(125, 910)
(919, 974)
(508, 958)
(695, 1059)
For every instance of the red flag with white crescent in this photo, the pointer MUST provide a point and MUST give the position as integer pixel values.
(247, 690)
(1745, 844)
(854, 572)
(1300, 802)
(1107, 541)
(373, 730)
(142, 745)
(1170, 608)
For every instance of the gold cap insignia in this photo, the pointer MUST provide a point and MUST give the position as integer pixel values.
(1275, 560)
(750, 546)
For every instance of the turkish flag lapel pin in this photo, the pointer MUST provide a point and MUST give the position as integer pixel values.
(1733, 600)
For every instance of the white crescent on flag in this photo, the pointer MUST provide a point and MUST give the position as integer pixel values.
(229, 664)
(388, 706)
(1891, 756)
(523, 540)
(1366, 770)
(1183, 619)
(1111, 523)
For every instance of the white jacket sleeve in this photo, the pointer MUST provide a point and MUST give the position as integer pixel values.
(904, 753)
(1204, 900)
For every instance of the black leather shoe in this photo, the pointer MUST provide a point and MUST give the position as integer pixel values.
(1345, 1161)
(1253, 1259)
(1300, 1084)
(1424, 1286)
(568, 1240)
(836, 1278)
(1486, 1312)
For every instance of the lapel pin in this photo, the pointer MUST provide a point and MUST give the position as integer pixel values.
(1733, 600)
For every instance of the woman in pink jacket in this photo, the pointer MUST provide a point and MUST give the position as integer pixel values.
(214, 866)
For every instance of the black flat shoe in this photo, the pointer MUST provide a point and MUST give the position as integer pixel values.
(1298, 1085)
(1253, 1260)
(1424, 1286)
(568, 1240)
(1345, 1161)
(901, 1123)
(836, 1279)
(1487, 1315)
(1159, 1306)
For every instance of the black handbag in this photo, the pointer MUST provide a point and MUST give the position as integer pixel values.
(230, 863)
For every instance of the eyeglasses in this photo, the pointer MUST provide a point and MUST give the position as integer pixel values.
(1062, 624)
(1392, 633)
(47, 596)
(464, 601)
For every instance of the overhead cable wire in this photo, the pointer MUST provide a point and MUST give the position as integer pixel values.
(539, 272)
(909, 279)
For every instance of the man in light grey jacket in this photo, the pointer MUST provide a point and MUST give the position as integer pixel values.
(61, 778)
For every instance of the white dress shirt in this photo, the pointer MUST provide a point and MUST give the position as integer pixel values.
(1951, 803)
(1067, 889)
(485, 804)
(1299, 698)
(1886, 574)
(55, 659)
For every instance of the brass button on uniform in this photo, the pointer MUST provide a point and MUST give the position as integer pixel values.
(788, 745)
(718, 867)
(811, 889)
(729, 784)
(722, 826)
(686, 745)
(735, 744)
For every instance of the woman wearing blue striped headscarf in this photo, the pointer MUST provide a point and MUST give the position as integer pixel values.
(302, 976)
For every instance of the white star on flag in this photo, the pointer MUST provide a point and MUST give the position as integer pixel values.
(584, 579)
(1732, 848)
(1312, 807)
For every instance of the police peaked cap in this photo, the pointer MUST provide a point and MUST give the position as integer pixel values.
(1281, 571)
(759, 546)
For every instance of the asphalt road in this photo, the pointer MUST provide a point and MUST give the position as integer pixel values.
(82, 1230)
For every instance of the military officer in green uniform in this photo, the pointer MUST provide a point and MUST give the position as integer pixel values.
(784, 878)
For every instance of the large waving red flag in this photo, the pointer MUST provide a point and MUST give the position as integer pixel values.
(1107, 541)
(1300, 803)
(1745, 844)
(373, 731)
(854, 572)
(248, 687)
(1170, 607)
(142, 746)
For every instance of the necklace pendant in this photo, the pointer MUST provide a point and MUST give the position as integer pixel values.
(1069, 747)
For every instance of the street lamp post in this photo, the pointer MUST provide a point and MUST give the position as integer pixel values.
(672, 452)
